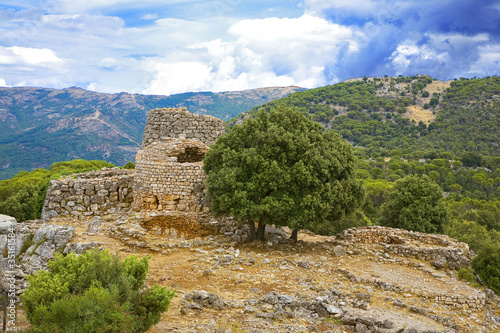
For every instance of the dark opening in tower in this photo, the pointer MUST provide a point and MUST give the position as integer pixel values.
(191, 155)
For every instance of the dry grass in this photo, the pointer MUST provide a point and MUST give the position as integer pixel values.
(437, 87)
(418, 113)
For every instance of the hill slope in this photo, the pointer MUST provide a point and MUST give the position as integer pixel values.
(415, 115)
(41, 126)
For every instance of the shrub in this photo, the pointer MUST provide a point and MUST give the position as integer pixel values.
(94, 292)
(470, 232)
(466, 274)
(354, 220)
(129, 165)
(487, 265)
(415, 203)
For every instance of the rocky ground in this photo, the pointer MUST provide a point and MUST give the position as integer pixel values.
(388, 281)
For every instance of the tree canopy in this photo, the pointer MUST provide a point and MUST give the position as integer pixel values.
(281, 168)
(415, 203)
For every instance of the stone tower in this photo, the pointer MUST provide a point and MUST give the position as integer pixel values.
(169, 173)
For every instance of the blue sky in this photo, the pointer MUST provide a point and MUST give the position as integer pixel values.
(174, 46)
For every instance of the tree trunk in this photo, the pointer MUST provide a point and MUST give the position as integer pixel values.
(261, 231)
(293, 236)
(251, 236)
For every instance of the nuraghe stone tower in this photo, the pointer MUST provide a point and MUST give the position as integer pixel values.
(169, 177)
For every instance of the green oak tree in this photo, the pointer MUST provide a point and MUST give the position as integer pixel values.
(415, 203)
(281, 168)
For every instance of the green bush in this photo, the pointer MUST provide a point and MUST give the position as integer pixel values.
(94, 292)
(415, 203)
(129, 165)
(487, 265)
(466, 274)
(96, 310)
(354, 220)
(470, 232)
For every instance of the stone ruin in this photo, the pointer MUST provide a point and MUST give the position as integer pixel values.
(169, 177)
(165, 124)
(168, 184)
(90, 194)
(169, 167)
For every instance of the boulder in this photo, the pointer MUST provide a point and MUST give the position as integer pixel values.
(47, 240)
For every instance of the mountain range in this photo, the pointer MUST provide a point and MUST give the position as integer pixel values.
(40, 126)
(412, 117)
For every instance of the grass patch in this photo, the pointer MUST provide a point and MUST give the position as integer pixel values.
(228, 326)
(28, 242)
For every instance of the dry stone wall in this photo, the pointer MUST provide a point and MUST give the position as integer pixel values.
(167, 123)
(441, 250)
(90, 194)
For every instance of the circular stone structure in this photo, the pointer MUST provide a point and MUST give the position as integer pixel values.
(169, 172)
(167, 123)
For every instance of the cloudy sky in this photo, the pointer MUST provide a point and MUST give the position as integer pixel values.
(174, 46)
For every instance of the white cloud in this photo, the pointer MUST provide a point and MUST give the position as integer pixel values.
(449, 55)
(179, 77)
(409, 53)
(488, 62)
(16, 55)
(295, 45)
(92, 86)
(150, 16)
(266, 52)
(286, 30)
(90, 24)
(109, 63)
(3, 83)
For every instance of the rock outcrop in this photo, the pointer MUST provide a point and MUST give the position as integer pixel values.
(28, 247)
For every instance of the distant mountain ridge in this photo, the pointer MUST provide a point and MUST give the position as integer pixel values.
(40, 126)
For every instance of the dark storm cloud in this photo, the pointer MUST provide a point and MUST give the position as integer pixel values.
(444, 39)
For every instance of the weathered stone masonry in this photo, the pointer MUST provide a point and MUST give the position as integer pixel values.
(90, 194)
(165, 124)
(169, 168)
(168, 182)
(168, 178)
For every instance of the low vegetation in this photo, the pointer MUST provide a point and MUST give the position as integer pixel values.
(94, 292)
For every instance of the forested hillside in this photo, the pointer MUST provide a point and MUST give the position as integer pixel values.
(40, 126)
(413, 117)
